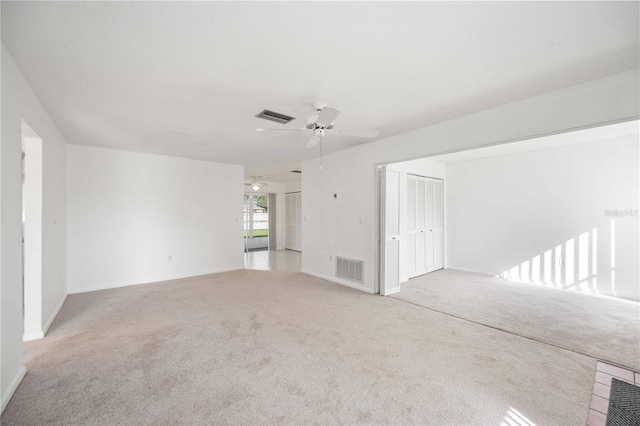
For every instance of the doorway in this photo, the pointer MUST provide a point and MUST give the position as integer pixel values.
(256, 222)
(409, 222)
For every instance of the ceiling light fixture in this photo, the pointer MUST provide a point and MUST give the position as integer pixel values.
(255, 183)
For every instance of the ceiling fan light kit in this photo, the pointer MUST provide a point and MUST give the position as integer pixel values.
(255, 183)
(321, 123)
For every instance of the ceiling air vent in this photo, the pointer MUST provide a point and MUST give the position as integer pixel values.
(275, 116)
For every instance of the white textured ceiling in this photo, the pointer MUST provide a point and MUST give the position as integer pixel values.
(187, 79)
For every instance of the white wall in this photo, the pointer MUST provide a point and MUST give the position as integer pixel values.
(332, 227)
(32, 202)
(504, 213)
(128, 212)
(18, 103)
(295, 186)
(421, 167)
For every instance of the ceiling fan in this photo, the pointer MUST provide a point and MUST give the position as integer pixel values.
(321, 123)
(255, 184)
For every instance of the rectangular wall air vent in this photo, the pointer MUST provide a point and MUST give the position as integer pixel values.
(275, 116)
(350, 269)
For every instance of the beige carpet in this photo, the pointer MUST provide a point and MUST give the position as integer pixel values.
(253, 347)
(600, 327)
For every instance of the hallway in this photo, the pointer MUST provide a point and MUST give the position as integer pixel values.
(280, 260)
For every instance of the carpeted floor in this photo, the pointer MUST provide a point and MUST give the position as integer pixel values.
(600, 327)
(254, 347)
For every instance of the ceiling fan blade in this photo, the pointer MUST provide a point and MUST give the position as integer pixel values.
(313, 141)
(356, 132)
(326, 117)
(280, 130)
(262, 184)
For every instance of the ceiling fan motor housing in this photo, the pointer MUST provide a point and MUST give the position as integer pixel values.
(312, 125)
(311, 121)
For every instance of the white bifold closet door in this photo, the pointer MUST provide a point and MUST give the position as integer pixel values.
(390, 232)
(425, 225)
(294, 221)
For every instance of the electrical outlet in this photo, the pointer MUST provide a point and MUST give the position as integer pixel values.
(561, 261)
(360, 220)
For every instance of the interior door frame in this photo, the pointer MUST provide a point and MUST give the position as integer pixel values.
(379, 222)
(377, 227)
(250, 196)
(384, 237)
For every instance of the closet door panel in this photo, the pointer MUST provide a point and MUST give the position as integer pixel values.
(438, 226)
(420, 204)
(425, 225)
(416, 222)
(429, 210)
(420, 253)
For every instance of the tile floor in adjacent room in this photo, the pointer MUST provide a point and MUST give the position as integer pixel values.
(602, 388)
(279, 260)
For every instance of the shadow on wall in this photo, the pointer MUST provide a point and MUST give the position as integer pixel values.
(572, 265)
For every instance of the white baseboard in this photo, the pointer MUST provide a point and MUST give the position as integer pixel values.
(40, 334)
(339, 281)
(109, 287)
(472, 271)
(32, 332)
(392, 292)
(53, 316)
(6, 396)
(32, 336)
